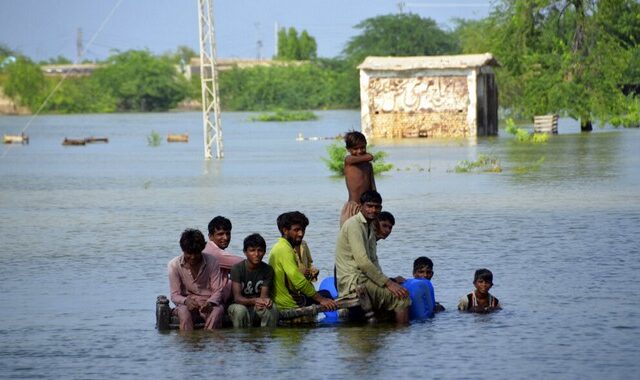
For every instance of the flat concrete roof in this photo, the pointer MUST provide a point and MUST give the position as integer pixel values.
(463, 61)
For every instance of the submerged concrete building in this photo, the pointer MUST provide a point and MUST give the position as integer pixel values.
(435, 96)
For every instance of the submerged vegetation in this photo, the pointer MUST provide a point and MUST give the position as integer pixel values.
(282, 115)
(485, 163)
(523, 135)
(337, 153)
(154, 139)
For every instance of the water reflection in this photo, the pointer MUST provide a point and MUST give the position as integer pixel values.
(97, 225)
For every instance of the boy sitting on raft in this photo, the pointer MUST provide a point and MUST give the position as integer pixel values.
(358, 173)
(252, 280)
(480, 300)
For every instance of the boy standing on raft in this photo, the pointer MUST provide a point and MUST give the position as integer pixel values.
(358, 173)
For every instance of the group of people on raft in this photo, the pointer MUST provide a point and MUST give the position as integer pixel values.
(206, 282)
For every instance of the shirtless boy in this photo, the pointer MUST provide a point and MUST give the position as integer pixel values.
(358, 173)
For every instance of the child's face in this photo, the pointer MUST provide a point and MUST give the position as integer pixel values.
(358, 150)
(384, 228)
(482, 286)
(424, 272)
(254, 255)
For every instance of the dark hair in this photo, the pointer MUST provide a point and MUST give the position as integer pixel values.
(422, 262)
(192, 241)
(370, 196)
(354, 138)
(386, 215)
(254, 241)
(483, 274)
(219, 223)
(288, 219)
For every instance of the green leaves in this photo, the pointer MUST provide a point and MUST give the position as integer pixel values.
(568, 57)
(399, 35)
(294, 47)
(337, 153)
(142, 82)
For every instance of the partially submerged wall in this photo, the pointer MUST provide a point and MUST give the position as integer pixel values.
(428, 96)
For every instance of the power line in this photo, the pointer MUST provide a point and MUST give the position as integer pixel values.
(66, 74)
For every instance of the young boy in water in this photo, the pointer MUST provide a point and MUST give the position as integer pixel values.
(480, 300)
(423, 268)
(252, 279)
(358, 173)
(423, 303)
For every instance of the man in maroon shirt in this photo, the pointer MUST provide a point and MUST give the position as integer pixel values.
(195, 282)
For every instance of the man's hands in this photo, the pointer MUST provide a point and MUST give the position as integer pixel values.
(326, 303)
(191, 304)
(396, 289)
(263, 303)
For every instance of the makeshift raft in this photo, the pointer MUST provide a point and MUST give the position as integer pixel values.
(86, 140)
(16, 139)
(165, 320)
(178, 138)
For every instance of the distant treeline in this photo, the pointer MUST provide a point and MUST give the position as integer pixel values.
(575, 58)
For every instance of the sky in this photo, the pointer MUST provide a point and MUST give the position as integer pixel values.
(43, 29)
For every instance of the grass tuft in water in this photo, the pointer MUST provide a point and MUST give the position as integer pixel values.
(485, 163)
(154, 139)
(522, 135)
(282, 115)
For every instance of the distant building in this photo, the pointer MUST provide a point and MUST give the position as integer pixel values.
(434, 96)
(223, 64)
(80, 69)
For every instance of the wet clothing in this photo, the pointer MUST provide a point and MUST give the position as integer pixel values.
(225, 261)
(205, 288)
(304, 261)
(251, 283)
(470, 303)
(357, 263)
(349, 209)
(287, 281)
(423, 301)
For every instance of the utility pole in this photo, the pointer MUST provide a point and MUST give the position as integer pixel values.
(209, 81)
(79, 47)
(275, 34)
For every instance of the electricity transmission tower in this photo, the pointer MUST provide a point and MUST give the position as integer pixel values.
(209, 81)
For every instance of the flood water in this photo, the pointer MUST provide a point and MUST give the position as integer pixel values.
(86, 233)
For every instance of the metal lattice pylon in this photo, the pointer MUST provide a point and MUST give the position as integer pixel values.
(209, 81)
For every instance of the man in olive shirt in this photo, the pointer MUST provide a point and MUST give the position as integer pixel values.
(357, 261)
(288, 281)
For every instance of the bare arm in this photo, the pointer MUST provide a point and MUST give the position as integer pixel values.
(354, 160)
(238, 298)
(264, 302)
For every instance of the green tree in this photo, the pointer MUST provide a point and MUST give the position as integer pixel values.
(399, 35)
(141, 82)
(293, 44)
(307, 47)
(569, 56)
(25, 82)
(59, 60)
(294, 47)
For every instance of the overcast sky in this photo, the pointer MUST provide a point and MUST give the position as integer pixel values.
(43, 29)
